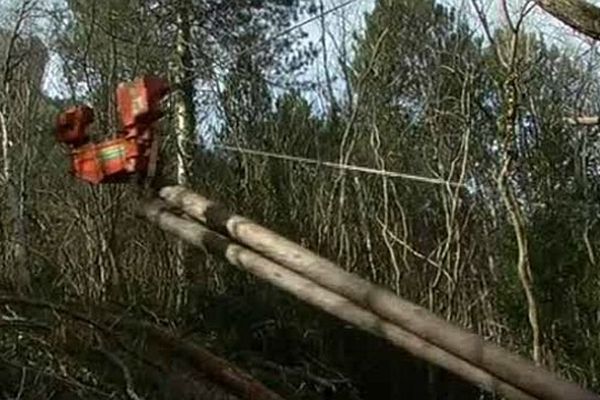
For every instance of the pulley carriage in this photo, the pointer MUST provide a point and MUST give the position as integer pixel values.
(133, 151)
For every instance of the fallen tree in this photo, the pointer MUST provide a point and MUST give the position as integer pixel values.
(114, 329)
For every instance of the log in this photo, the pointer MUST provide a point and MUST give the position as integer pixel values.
(314, 294)
(487, 356)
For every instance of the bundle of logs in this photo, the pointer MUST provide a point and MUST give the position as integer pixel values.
(321, 283)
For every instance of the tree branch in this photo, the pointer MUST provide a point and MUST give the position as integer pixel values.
(215, 368)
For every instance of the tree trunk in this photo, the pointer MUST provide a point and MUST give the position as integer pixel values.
(184, 131)
(14, 99)
(578, 14)
(4, 183)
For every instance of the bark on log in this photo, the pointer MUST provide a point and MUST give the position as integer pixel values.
(578, 14)
(326, 300)
(468, 346)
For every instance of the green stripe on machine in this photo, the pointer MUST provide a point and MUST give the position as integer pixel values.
(112, 152)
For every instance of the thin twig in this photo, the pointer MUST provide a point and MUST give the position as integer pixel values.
(129, 385)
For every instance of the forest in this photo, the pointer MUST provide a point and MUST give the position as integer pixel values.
(448, 151)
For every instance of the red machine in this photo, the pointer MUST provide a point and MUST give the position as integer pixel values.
(133, 151)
